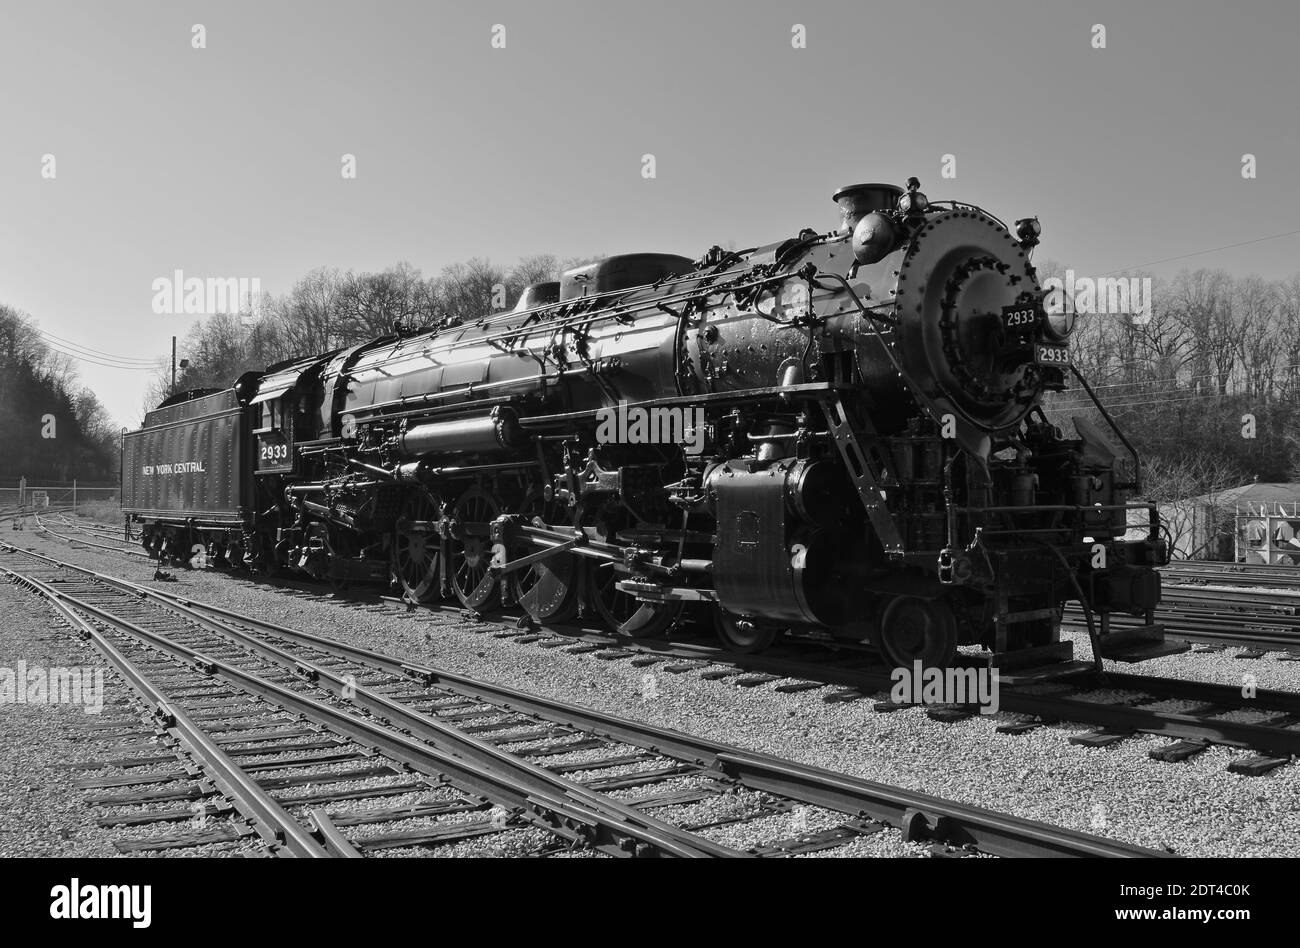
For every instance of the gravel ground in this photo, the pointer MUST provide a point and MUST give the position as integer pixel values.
(41, 812)
(1193, 808)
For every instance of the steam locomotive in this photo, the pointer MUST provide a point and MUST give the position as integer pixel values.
(838, 436)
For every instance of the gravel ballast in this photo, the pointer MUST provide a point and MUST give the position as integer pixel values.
(1196, 807)
(41, 812)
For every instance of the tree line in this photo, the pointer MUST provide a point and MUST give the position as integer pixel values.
(328, 309)
(52, 427)
(1206, 384)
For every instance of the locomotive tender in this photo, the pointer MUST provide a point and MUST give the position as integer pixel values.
(838, 435)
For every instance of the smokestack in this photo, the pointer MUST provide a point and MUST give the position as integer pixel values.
(856, 201)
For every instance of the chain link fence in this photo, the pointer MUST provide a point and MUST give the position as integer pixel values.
(23, 493)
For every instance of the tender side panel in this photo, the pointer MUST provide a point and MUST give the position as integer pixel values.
(187, 468)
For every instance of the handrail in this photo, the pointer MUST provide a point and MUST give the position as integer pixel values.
(1137, 462)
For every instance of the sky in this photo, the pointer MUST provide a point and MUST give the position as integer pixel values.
(226, 161)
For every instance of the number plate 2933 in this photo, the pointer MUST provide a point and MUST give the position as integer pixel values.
(273, 453)
(1051, 355)
(1020, 319)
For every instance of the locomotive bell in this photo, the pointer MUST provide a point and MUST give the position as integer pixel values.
(858, 200)
(873, 238)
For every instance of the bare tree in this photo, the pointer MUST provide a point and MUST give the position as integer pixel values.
(465, 291)
(1187, 490)
(308, 314)
(369, 304)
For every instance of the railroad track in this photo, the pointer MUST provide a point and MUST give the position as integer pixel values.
(1208, 572)
(858, 674)
(797, 665)
(1211, 715)
(486, 760)
(1259, 621)
(16, 513)
(96, 529)
(121, 547)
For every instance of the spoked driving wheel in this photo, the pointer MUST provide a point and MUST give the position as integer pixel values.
(623, 613)
(472, 553)
(913, 629)
(415, 549)
(547, 590)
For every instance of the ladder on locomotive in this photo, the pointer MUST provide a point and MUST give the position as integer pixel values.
(848, 438)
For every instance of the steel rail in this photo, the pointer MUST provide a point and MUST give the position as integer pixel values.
(336, 844)
(1268, 631)
(1272, 740)
(554, 802)
(919, 815)
(95, 530)
(268, 816)
(452, 739)
(125, 551)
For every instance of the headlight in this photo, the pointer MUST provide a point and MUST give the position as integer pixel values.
(913, 204)
(1058, 322)
(1028, 230)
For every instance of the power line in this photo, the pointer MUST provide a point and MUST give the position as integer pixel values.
(1198, 253)
(98, 360)
(1075, 399)
(1147, 398)
(89, 350)
(1187, 378)
(1134, 401)
(1167, 387)
(108, 365)
(1172, 387)
(79, 357)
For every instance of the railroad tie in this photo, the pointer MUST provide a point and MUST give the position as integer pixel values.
(1102, 738)
(1178, 751)
(1256, 765)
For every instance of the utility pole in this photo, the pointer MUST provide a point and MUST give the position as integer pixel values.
(173, 391)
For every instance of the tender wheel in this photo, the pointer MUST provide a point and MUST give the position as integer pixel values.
(914, 629)
(547, 590)
(744, 635)
(472, 554)
(624, 614)
(415, 553)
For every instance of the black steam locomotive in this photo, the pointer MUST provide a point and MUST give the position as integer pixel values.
(838, 435)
